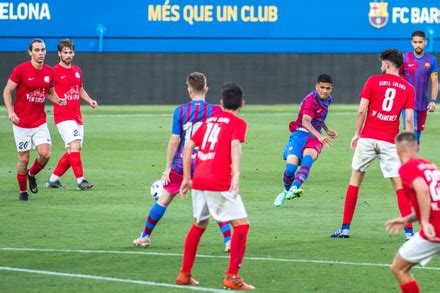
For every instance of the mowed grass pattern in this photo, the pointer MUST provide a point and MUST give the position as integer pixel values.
(124, 152)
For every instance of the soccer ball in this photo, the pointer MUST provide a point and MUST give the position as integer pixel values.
(156, 189)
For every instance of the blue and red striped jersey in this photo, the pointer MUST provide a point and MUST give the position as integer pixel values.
(417, 71)
(187, 118)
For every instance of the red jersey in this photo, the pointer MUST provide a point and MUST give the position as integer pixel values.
(388, 95)
(32, 87)
(67, 83)
(213, 170)
(421, 168)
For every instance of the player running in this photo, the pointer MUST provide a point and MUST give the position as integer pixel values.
(382, 100)
(187, 118)
(215, 186)
(418, 68)
(306, 141)
(33, 82)
(421, 181)
(68, 83)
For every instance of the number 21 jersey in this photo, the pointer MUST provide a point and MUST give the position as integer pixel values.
(388, 95)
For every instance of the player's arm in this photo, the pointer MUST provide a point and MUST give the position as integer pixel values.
(53, 97)
(86, 98)
(236, 151)
(172, 147)
(424, 202)
(360, 121)
(187, 158)
(409, 120)
(307, 124)
(7, 98)
(329, 132)
(434, 91)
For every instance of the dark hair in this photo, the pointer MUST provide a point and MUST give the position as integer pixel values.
(407, 137)
(196, 81)
(36, 40)
(392, 55)
(325, 78)
(232, 96)
(418, 34)
(66, 43)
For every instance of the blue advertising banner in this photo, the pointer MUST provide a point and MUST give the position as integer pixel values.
(220, 25)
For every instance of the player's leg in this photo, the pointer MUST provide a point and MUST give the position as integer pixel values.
(401, 270)
(225, 229)
(403, 204)
(42, 142)
(62, 166)
(419, 123)
(23, 160)
(192, 240)
(77, 166)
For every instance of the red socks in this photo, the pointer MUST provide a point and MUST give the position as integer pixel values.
(76, 163)
(36, 167)
(350, 203)
(404, 205)
(63, 165)
(238, 248)
(190, 249)
(22, 182)
(410, 287)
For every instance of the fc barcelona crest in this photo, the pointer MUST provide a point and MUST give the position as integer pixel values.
(378, 15)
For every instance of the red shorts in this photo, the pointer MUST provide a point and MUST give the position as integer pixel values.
(420, 120)
(174, 185)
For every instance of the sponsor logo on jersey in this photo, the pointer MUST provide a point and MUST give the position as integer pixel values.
(47, 79)
(77, 75)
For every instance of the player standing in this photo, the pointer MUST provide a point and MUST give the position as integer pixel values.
(215, 186)
(418, 68)
(421, 181)
(187, 118)
(383, 98)
(68, 83)
(33, 82)
(306, 141)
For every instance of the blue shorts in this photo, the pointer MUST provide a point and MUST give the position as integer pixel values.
(298, 142)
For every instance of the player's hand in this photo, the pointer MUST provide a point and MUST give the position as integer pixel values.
(235, 182)
(93, 104)
(325, 140)
(354, 142)
(13, 118)
(431, 107)
(429, 231)
(166, 176)
(184, 187)
(62, 102)
(332, 133)
(395, 225)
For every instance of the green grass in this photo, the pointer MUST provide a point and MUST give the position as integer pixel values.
(124, 152)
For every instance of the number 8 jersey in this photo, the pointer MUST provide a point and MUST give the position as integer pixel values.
(421, 168)
(388, 95)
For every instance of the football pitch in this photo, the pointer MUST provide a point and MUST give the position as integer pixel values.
(81, 241)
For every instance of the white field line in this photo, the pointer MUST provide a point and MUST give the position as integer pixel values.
(253, 258)
(110, 279)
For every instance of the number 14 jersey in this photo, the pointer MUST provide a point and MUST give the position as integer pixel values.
(388, 95)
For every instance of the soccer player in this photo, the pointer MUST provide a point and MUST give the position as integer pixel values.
(420, 179)
(215, 186)
(418, 68)
(306, 141)
(383, 98)
(68, 83)
(33, 82)
(187, 118)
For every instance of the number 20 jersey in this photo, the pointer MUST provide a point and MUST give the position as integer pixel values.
(388, 95)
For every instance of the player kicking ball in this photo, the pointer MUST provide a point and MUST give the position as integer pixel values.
(306, 141)
(420, 180)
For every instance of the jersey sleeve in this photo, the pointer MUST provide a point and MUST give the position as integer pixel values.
(434, 67)
(366, 90)
(408, 173)
(308, 108)
(16, 75)
(239, 131)
(177, 126)
(80, 78)
(409, 103)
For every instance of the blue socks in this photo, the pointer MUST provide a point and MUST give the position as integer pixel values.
(303, 173)
(156, 213)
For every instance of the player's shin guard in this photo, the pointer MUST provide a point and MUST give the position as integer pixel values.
(350, 204)
(190, 249)
(289, 175)
(156, 213)
(22, 182)
(238, 248)
(304, 171)
(404, 205)
(76, 163)
(225, 229)
(63, 165)
(36, 168)
(410, 287)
